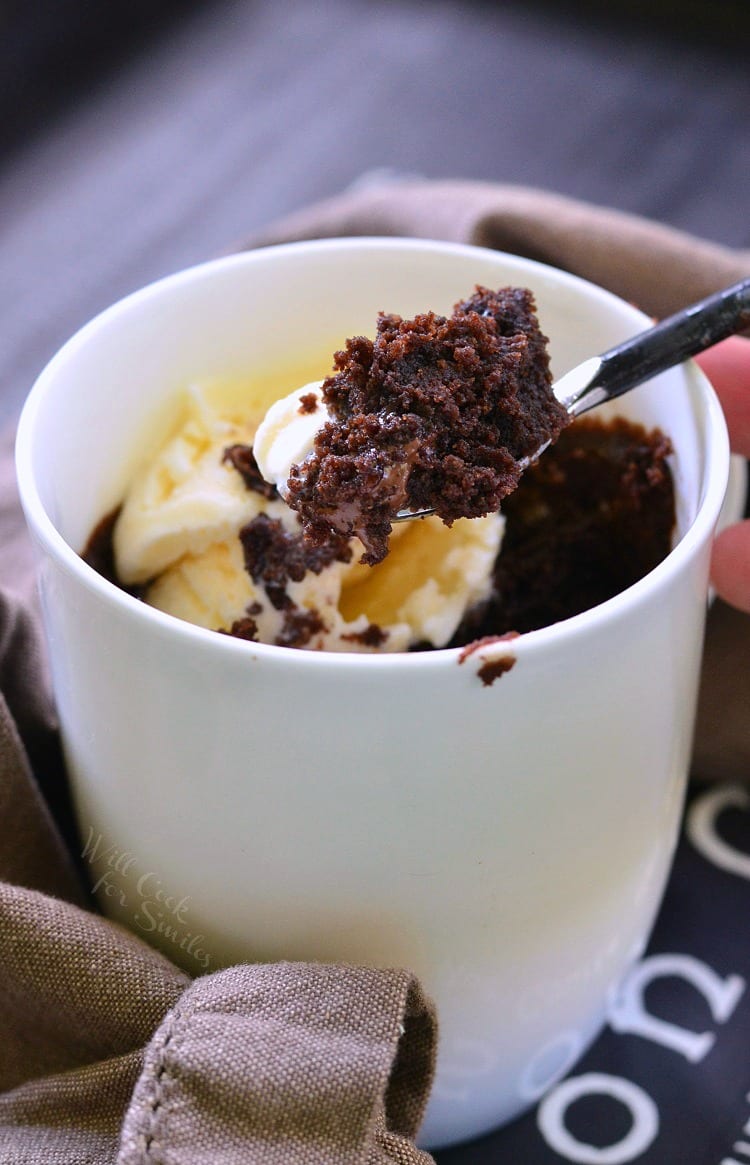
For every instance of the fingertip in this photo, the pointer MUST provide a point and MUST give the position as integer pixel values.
(730, 565)
(727, 366)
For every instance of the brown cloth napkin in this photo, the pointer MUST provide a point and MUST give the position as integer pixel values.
(110, 1055)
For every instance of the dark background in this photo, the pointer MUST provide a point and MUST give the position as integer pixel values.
(138, 136)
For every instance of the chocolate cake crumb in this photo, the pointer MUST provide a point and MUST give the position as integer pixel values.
(274, 557)
(299, 627)
(434, 413)
(372, 636)
(493, 668)
(242, 458)
(308, 403)
(245, 628)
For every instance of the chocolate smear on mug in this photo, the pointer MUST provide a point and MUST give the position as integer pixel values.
(490, 669)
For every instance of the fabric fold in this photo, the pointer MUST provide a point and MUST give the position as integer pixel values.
(657, 267)
(33, 852)
(281, 1063)
(105, 1043)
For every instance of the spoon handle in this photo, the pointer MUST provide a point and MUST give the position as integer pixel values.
(668, 343)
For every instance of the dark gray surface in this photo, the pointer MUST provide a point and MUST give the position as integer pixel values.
(243, 111)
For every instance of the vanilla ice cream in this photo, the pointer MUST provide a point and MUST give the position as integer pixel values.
(286, 435)
(178, 537)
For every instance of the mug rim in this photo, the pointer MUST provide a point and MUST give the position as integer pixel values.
(702, 396)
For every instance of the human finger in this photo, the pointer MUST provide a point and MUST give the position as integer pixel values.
(727, 366)
(730, 565)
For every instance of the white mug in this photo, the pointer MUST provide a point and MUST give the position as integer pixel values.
(238, 801)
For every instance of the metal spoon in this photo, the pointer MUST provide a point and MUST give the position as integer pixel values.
(602, 378)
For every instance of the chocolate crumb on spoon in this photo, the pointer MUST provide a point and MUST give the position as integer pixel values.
(435, 414)
(622, 368)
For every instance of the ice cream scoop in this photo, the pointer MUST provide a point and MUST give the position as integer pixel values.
(286, 435)
(192, 532)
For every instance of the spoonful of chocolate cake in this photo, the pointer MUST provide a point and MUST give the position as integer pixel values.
(443, 414)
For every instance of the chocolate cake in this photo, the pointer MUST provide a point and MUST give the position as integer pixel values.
(434, 413)
(590, 518)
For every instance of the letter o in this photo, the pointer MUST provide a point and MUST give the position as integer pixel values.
(552, 1110)
(700, 827)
